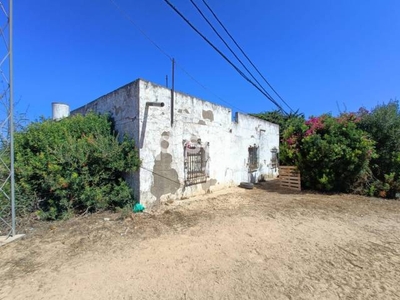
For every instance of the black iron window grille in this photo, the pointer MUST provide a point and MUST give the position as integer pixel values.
(195, 164)
(253, 158)
(274, 158)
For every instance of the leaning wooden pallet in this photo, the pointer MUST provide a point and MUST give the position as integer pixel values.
(290, 177)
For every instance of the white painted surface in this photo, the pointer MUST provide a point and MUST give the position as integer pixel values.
(59, 110)
(161, 146)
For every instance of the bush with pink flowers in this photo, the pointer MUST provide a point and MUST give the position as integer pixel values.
(331, 153)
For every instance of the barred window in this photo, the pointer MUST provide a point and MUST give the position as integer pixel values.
(253, 158)
(195, 163)
(274, 158)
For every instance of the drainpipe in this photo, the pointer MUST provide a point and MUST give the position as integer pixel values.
(158, 104)
(172, 91)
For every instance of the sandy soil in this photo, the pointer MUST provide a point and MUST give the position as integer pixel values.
(264, 243)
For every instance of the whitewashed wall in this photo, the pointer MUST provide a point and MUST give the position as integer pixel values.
(162, 150)
(161, 145)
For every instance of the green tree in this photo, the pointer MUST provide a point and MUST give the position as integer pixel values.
(331, 153)
(383, 125)
(285, 121)
(280, 118)
(73, 165)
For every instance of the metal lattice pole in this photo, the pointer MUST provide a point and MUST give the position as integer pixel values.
(7, 183)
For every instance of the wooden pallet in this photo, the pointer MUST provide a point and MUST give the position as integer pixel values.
(290, 177)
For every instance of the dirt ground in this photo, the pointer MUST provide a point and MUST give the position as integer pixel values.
(264, 243)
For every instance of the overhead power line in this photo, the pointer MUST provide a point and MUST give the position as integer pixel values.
(245, 55)
(226, 44)
(206, 89)
(224, 56)
(128, 17)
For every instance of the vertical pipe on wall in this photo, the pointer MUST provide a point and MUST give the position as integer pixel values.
(172, 91)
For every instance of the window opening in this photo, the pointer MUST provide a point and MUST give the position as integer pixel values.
(195, 163)
(274, 158)
(253, 158)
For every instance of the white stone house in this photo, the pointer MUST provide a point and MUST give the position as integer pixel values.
(190, 148)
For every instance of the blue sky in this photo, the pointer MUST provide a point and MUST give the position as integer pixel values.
(318, 54)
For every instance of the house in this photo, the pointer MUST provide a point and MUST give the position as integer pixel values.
(187, 146)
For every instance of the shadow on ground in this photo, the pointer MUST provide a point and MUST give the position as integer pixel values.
(274, 186)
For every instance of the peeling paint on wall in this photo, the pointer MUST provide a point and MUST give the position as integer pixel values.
(207, 185)
(166, 179)
(208, 114)
(164, 144)
(161, 150)
(117, 110)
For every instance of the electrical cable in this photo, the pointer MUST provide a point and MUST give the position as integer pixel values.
(224, 56)
(245, 55)
(162, 176)
(226, 44)
(127, 16)
(205, 88)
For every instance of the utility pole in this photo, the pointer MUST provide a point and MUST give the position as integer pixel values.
(7, 179)
(11, 87)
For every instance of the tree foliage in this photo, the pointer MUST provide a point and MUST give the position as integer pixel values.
(73, 165)
(357, 152)
(383, 126)
(330, 153)
(280, 118)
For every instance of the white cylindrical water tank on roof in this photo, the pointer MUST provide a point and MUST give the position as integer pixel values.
(60, 110)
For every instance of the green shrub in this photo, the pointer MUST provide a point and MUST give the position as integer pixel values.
(283, 120)
(73, 165)
(331, 153)
(383, 126)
